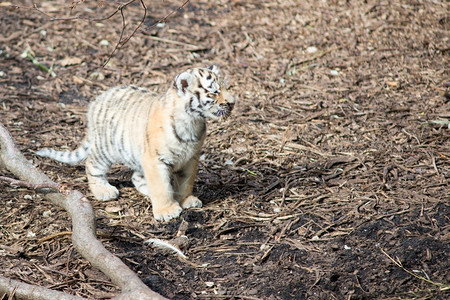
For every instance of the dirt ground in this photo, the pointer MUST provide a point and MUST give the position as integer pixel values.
(329, 181)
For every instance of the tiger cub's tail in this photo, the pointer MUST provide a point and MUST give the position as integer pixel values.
(68, 157)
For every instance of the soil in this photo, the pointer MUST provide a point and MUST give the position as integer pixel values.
(329, 181)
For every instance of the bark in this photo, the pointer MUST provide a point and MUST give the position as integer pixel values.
(83, 232)
(22, 290)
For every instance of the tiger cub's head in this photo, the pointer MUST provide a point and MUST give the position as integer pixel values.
(205, 93)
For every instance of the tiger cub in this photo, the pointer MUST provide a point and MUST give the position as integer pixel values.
(158, 136)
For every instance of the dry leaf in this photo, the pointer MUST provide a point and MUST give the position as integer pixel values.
(392, 83)
(113, 209)
(77, 80)
(70, 61)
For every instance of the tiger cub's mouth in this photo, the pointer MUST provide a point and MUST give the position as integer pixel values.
(224, 110)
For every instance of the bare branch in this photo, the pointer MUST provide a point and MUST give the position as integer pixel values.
(119, 43)
(138, 26)
(83, 231)
(122, 41)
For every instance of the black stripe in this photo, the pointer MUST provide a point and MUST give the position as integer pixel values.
(113, 119)
(173, 153)
(164, 161)
(200, 112)
(101, 157)
(172, 180)
(102, 127)
(147, 141)
(77, 155)
(180, 173)
(191, 109)
(140, 178)
(97, 166)
(139, 175)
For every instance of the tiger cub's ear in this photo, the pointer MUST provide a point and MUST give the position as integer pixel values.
(214, 68)
(183, 81)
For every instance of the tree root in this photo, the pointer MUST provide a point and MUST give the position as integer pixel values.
(83, 232)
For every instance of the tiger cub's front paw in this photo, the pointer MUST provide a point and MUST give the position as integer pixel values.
(167, 213)
(191, 201)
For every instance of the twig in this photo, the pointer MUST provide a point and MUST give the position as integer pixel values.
(392, 214)
(442, 286)
(13, 36)
(266, 254)
(358, 283)
(291, 64)
(318, 277)
(319, 233)
(433, 159)
(33, 186)
(155, 38)
(121, 42)
(305, 148)
(50, 237)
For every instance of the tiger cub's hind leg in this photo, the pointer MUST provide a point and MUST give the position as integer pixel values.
(99, 185)
(140, 182)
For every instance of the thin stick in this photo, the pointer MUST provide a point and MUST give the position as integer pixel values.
(121, 42)
(33, 186)
(442, 286)
(50, 237)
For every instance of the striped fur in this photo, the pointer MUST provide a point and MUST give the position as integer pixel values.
(158, 136)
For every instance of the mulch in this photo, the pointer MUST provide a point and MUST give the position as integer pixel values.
(329, 181)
